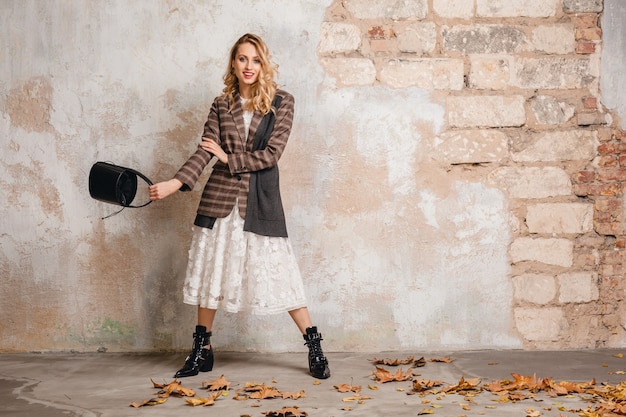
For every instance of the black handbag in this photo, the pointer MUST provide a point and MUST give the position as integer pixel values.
(115, 184)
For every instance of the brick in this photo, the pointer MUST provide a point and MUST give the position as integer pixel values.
(554, 39)
(483, 39)
(548, 251)
(485, 111)
(586, 20)
(607, 190)
(585, 48)
(375, 9)
(609, 174)
(552, 73)
(560, 145)
(608, 161)
(350, 71)
(471, 146)
(622, 160)
(609, 228)
(534, 288)
(590, 102)
(560, 218)
(540, 324)
(586, 176)
(549, 110)
(526, 8)
(418, 38)
(337, 37)
(490, 72)
(608, 204)
(611, 148)
(437, 74)
(589, 34)
(532, 182)
(582, 6)
(463, 9)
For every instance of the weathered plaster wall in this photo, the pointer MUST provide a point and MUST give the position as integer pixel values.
(439, 182)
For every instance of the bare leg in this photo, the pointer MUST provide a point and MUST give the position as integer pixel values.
(206, 317)
(302, 318)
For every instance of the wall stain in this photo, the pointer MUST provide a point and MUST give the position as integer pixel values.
(29, 105)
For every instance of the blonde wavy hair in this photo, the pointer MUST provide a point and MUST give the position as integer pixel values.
(264, 89)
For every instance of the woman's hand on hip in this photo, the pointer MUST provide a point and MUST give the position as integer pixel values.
(211, 146)
(164, 189)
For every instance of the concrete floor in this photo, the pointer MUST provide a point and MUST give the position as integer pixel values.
(104, 384)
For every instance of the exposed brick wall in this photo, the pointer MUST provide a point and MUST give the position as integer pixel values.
(519, 81)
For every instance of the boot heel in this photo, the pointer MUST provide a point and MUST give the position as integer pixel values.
(207, 364)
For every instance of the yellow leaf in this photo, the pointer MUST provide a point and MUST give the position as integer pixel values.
(426, 411)
(619, 355)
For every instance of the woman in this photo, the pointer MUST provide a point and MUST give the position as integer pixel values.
(240, 257)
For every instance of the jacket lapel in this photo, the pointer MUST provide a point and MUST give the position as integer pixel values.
(254, 124)
(237, 114)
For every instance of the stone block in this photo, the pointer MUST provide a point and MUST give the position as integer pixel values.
(485, 111)
(551, 251)
(549, 110)
(483, 39)
(490, 72)
(350, 71)
(532, 182)
(393, 9)
(582, 6)
(534, 288)
(418, 38)
(578, 287)
(471, 146)
(540, 324)
(557, 146)
(560, 218)
(338, 37)
(552, 73)
(430, 74)
(463, 9)
(554, 39)
(508, 8)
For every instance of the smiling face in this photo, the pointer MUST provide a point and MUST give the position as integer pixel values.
(247, 66)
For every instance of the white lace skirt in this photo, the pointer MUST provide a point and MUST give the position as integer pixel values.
(235, 271)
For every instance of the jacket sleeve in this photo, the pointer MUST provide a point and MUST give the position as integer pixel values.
(268, 157)
(189, 173)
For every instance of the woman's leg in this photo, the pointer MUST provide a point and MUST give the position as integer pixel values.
(302, 318)
(206, 317)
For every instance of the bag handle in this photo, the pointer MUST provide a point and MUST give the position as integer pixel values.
(146, 179)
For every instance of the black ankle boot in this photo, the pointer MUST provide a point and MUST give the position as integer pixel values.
(318, 364)
(200, 359)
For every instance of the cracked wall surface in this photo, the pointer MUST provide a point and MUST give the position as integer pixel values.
(453, 179)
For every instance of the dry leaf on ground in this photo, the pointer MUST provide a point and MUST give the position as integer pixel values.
(444, 360)
(151, 401)
(287, 412)
(210, 400)
(347, 388)
(220, 384)
(463, 386)
(382, 375)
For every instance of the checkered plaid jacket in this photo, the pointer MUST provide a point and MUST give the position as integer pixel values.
(229, 183)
